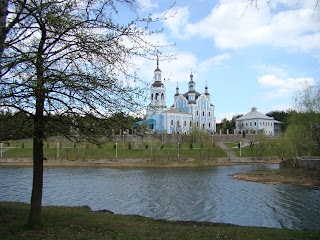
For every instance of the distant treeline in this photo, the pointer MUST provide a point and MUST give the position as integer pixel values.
(19, 125)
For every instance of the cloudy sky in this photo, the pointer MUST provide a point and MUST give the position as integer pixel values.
(248, 56)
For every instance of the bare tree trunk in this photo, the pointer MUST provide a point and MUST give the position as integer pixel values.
(39, 123)
(37, 186)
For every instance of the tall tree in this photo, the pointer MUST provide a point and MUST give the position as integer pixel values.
(307, 116)
(70, 57)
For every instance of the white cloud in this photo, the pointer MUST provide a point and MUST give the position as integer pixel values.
(281, 87)
(209, 63)
(293, 25)
(147, 5)
(177, 22)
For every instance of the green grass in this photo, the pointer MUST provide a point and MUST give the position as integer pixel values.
(254, 152)
(82, 223)
(86, 151)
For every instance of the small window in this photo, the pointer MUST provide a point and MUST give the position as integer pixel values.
(172, 122)
(178, 124)
(152, 96)
(190, 124)
(197, 113)
(197, 124)
(250, 123)
(246, 124)
(255, 123)
(203, 114)
(209, 125)
(162, 96)
(202, 126)
(209, 114)
(185, 123)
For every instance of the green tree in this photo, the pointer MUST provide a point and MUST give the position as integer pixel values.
(305, 123)
(70, 57)
(282, 116)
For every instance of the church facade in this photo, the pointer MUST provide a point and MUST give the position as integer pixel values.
(191, 110)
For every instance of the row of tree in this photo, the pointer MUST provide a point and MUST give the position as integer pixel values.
(20, 125)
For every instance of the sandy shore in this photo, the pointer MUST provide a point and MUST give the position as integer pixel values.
(137, 162)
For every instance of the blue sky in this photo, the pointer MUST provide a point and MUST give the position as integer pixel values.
(248, 56)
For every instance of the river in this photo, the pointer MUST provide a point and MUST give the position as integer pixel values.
(199, 194)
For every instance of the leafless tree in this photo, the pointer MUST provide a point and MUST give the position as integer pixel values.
(71, 57)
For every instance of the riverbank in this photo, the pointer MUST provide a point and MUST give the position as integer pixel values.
(290, 175)
(82, 223)
(137, 163)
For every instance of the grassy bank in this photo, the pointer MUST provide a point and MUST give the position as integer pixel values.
(290, 175)
(82, 223)
(111, 150)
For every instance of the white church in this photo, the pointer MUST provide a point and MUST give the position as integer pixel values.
(191, 110)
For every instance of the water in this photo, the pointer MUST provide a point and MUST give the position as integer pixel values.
(199, 194)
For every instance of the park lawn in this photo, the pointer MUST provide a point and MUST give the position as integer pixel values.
(255, 152)
(82, 223)
(92, 152)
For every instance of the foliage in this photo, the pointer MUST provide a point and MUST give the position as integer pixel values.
(282, 116)
(304, 127)
(228, 124)
(14, 126)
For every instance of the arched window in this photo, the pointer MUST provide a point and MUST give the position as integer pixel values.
(185, 123)
(209, 113)
(202, 126)
(162, 96)
(172, 122)
(203, 114)
(178, 123)
(197, 124)
(151, 96)
(209, 125)
(157, 96)
(197, 113)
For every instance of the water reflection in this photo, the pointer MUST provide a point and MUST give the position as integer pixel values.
(201, 194)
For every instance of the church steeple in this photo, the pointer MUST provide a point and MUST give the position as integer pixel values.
(191, 83)
(157, 75)
(158, 90)
(206, 90)
(177, 91)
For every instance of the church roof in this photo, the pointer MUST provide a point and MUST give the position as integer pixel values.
(254, 114)
(157, 84)
(144, 122)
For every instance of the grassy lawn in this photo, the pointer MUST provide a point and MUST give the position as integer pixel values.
(255, 152)
(125, 150)
(82, 223)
